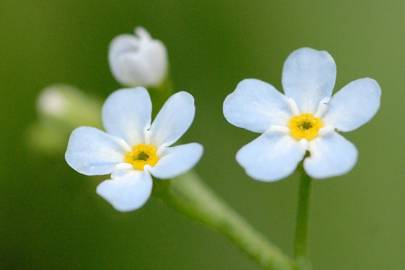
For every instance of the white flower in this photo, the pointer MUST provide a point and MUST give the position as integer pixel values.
(133, 149)
(138, 60)
(305, 119)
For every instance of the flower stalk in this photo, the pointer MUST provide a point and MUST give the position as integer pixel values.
(191, 197)
(302, 225)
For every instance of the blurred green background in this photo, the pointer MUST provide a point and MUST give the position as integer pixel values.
(51, 217)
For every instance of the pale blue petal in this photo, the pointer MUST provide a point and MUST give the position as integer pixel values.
(354, 105)
(127, 114)
(309, 76)
(271, 157)
(93, 152)
(255, 106)
(330, 155)
(173, 119)
(177, 160)
(128, 192)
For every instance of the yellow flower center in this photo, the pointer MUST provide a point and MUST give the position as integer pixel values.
(141, 155)
(305, 126)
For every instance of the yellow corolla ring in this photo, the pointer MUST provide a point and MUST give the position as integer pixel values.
(141, 155)
(305, 126)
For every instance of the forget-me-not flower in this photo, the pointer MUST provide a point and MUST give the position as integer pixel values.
(306, 119)
(133, 148)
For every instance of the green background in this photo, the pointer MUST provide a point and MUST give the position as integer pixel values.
(51, 217)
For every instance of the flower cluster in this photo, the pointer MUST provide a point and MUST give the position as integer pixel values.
(303, 124)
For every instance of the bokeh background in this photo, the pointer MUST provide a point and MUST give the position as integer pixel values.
(51, 217)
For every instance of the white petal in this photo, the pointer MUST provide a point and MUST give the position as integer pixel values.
(354, 105)
(308, 77)
(93, 152)
(127, 114)
(271, 157)
(177, 160)
(255, 105)
(331, 155)
(127, 193)
(173, 120)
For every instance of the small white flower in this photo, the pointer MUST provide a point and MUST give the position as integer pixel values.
(305, 119)
(138, 60)
(133, 148)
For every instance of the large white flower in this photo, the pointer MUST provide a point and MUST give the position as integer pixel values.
(138, 60)
(133, 148)
(305, 119)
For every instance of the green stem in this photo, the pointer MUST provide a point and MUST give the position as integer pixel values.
(190, 196)
(301, 231)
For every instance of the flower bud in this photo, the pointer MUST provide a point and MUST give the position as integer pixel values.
(61, 108)
(51, 102)
(68, 106)
(138, 60)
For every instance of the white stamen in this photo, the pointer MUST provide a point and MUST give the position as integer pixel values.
(293, 106)
(277, 128)
(123, 144)
(147, 168)
(326, 130)
(121, 169)
(322, 107)
(147, 136)
(161, 150)
(123, 166)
